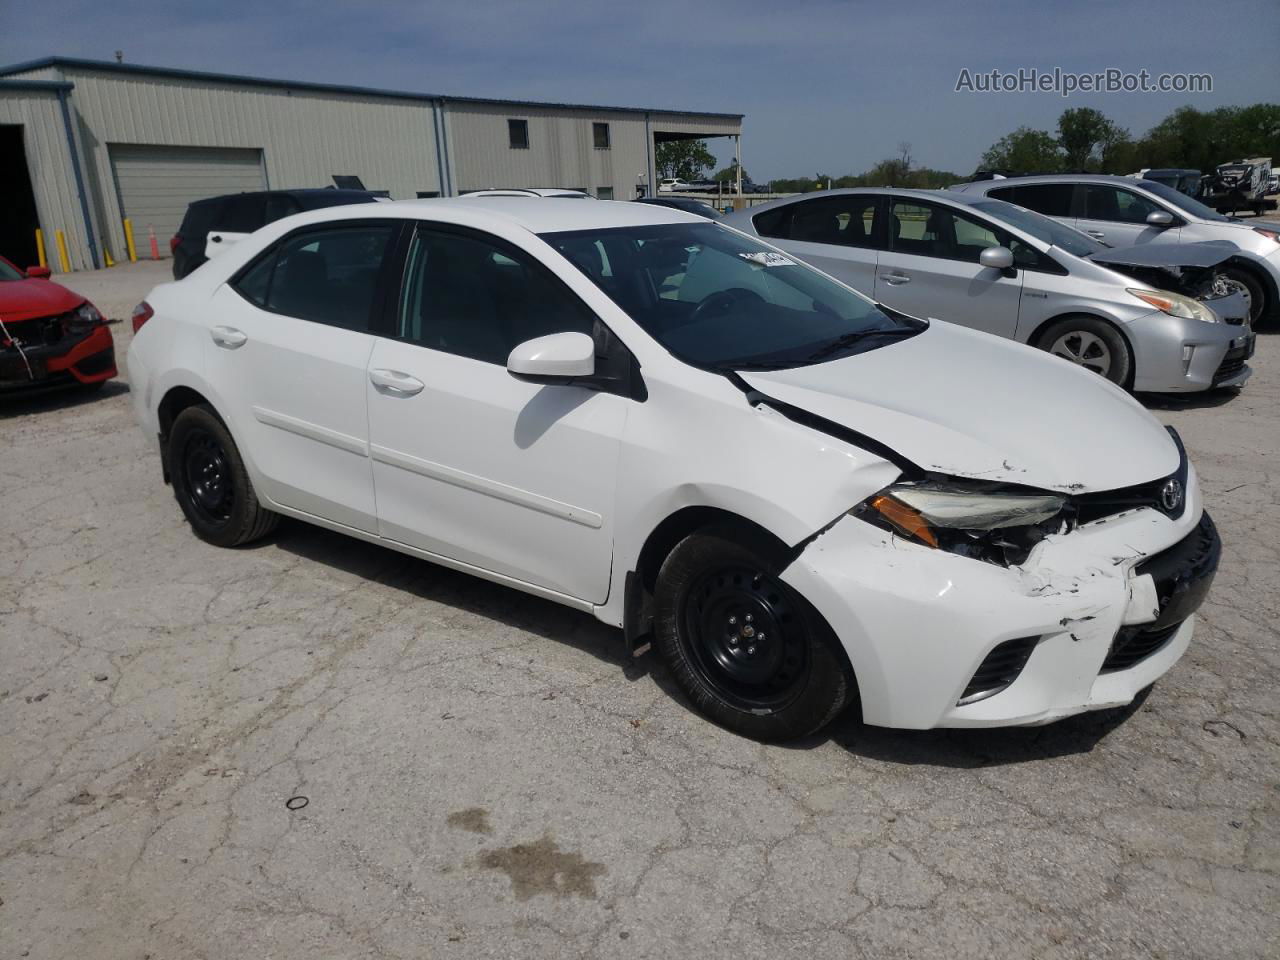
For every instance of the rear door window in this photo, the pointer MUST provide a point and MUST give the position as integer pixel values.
(1050, 199)
(279, 206)
(328, 275)
(241, 214)
(847, 221)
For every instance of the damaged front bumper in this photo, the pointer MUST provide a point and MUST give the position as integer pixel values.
(73, 359)
(1091, 618)
(1173, 355)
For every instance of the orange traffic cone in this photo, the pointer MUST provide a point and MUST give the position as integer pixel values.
(155, 247)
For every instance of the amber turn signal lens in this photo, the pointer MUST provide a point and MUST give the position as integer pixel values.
(905, 519)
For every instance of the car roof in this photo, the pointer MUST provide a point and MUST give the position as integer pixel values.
(532, 213)
(300, 193)
(1053, 178)
(947, 196)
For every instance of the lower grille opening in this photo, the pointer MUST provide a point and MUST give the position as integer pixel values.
(1000, 668)
(1132, 645)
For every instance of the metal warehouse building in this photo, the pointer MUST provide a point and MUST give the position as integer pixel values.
(85, 144)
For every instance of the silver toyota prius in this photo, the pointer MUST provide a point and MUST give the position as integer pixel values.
(1162, 319)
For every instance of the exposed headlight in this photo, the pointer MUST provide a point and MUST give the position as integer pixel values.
(996, 527)
(1176, 305)
(83, 318)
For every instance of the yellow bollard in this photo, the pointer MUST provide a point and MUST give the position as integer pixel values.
(40, 248)
(62, 251)
(107, 254)
(128, 240)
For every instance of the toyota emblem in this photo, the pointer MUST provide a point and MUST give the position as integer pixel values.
(1171, 494)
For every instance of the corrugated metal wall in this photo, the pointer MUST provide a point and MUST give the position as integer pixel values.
(52, 176)
(305, 136)
(561, 151)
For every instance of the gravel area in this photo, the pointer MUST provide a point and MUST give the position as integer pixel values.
(319, 748)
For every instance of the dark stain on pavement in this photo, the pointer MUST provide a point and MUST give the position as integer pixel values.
(542, 867)
(474, 819)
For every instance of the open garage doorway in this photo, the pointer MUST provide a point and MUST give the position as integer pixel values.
(19, 223)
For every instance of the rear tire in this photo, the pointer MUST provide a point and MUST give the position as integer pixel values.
(211, 483)
(1091, 343)
(750, 652)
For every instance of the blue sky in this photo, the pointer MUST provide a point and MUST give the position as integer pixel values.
(826, 86)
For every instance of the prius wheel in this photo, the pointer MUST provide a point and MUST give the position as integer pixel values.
(1090, 343)
(747, 649)
(211, 483)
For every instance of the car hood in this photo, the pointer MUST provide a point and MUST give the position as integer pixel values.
(966, 404)
(25, 299)
(1208, 253)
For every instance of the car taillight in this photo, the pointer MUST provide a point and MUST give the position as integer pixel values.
(141, 314)
(174, 241)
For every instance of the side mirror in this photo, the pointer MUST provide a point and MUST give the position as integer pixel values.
(39, 273)
(997, 258)
(1159, 218)
(554, 359)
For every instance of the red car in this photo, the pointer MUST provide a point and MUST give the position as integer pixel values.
(49, 336)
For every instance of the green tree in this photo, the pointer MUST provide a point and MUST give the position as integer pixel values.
(1024, 151)
(686, 159)
(730, 174)
(1085, 136)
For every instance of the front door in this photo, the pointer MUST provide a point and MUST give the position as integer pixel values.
(931, 269)
(1118, 217)
(289, 357)
(469, 463)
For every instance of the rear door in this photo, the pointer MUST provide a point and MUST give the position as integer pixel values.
(931, 268)
(839, 235)
(1118, 217)
(288, 354)
(469, 463)
(238, 217)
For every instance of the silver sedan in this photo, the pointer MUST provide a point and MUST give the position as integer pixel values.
(1163, 321)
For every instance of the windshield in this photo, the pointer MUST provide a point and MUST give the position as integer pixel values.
(721, 301)
(1182, 201)
(1041, 227)
(9, 272)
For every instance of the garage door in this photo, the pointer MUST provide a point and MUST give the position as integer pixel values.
(155, 184)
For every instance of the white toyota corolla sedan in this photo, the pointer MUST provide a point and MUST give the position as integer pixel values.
(802, 499)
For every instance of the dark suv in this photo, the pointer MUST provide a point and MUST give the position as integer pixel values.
(242, 213)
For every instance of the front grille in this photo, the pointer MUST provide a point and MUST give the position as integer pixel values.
(1096, 506)
(1182, 575)
(1000, 668)
(1132, 645)
(42, 331)
(1232, 365)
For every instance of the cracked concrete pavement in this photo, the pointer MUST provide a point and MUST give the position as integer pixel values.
(478, 773)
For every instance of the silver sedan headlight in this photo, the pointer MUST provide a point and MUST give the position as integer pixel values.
(1176, 305)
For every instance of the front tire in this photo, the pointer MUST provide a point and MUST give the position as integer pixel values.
(1090, 343)
(211, 483)
(1253, 291)
(747, 649)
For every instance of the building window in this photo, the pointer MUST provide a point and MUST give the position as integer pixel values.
(604, 193)
(518, 134)
(600, 131)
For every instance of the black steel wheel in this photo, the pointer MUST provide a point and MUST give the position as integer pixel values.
(745, 636)
(211, 483)
(207, 476)
(748, 650)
